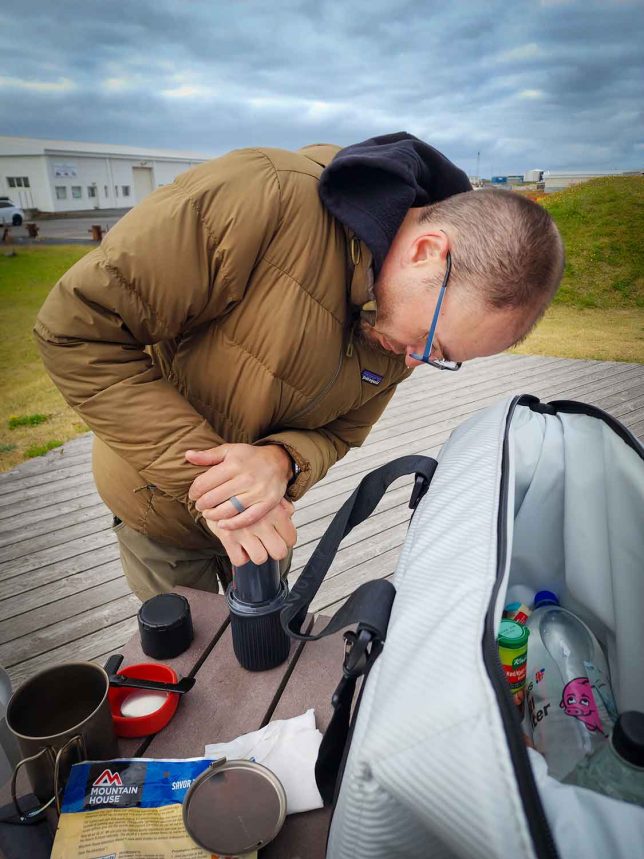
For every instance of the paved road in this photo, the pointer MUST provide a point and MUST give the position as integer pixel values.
(74, 228)
(59, 230)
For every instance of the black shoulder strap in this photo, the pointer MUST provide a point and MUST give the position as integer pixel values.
(369, 607)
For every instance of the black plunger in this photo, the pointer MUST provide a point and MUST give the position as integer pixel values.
(255, 598)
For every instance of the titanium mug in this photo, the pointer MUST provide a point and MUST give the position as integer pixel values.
(61, 709)
(9, 751)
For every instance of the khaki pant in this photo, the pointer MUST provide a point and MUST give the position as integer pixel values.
(154, 568)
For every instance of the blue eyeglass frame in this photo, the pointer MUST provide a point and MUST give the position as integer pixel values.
(440, 364)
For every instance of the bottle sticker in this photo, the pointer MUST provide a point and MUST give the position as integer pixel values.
(536, 713)
(577, 700)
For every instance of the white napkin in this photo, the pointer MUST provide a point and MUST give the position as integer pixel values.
(289, 748)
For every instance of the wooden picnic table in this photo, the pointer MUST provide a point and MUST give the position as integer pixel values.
(227, 701)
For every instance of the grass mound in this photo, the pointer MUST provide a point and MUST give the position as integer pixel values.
(602, 224)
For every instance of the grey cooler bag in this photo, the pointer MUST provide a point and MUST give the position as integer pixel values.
(432, 761)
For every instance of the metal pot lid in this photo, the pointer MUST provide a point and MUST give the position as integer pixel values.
(234, 807)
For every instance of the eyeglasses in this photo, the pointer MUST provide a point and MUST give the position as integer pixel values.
(441, 364)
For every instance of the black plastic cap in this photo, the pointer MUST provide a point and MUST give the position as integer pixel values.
(628, 737)
(165, 626)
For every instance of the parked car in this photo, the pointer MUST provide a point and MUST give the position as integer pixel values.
(10, 213)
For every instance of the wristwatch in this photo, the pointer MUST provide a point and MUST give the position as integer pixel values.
(296, 471)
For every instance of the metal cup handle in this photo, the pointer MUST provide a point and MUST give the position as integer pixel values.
(27, 816)
(82, 755)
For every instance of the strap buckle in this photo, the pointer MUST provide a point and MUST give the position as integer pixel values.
(356, 652)
(421, 485)
(360, 650)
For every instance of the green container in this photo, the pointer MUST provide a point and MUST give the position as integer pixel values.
(513, 652)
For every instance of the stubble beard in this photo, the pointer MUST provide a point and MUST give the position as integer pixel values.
(366, 334)
(365, 331)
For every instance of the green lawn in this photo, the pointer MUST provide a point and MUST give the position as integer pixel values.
(29, 402)
(615, 334)
(598, 312)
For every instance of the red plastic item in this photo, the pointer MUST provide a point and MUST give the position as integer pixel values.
(142, 726)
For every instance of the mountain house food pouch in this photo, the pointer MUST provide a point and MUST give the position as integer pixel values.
(131, 808)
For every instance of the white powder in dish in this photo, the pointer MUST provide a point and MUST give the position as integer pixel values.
(142, 703)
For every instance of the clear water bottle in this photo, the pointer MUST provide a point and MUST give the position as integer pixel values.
(571, 707)
(617, 768)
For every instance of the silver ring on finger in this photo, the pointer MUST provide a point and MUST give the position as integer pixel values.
(239, 507)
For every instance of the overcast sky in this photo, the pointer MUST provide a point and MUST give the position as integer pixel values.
(556, 84)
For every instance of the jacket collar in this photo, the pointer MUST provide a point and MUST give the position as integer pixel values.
(360, 267)
(360, 283)
(360, 273)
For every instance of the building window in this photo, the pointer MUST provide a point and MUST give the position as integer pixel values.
(107, 193)
(91, 190)
(116, 190)
(18, 181)
(77, 192)
(61, 192)
(126, 190)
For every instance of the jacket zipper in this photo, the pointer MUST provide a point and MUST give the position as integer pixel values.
(314, 402)
(538, 826)
(346, 350)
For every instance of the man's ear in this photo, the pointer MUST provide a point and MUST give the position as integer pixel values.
(428, 247)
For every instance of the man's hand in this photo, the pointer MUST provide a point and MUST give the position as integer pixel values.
(271, 537)
(257, 476)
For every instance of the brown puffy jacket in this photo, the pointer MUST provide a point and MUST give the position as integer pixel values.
(219, 309)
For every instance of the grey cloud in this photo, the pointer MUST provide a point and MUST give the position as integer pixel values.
(556, 85)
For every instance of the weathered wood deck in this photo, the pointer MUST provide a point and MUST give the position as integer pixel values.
(62, 592)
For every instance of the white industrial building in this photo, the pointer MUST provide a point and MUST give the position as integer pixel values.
(68, 176)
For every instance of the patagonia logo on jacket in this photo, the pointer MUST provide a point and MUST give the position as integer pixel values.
(372, 378)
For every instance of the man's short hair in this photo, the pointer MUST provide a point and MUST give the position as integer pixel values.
(504, 245)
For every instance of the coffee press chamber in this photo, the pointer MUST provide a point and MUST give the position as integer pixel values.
(255, 598)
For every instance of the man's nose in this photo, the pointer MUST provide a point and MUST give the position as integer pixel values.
(411, 361)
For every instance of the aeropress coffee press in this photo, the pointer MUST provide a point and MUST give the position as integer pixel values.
(255, 598)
